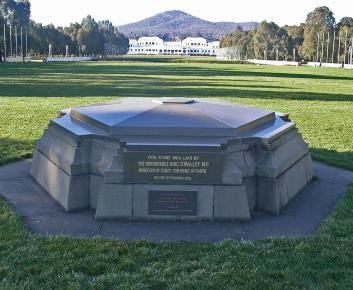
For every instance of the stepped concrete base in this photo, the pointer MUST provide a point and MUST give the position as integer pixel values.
(274, 193)
(72, 192)
(84, 161)
(114, 202)
(231, 203)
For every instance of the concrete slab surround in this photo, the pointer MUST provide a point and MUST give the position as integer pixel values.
(43, 215)
(200, 159)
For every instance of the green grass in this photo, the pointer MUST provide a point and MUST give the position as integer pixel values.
(319, 100)
(176, 59)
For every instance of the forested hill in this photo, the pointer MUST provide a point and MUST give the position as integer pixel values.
(172, 24)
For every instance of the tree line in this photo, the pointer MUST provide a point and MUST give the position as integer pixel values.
(320, 39)
(86, 38)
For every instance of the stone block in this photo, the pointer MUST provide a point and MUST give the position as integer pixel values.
(205, 195)
(114, 201)
(308, 165)
(234, 145)
(271, 164)
(67, 156)
(296, 177)
(96, 182)
(243, 161)
(268, 195)
(250, 162)
(64, 134)
(102, 154)
(283, 139)
(250, 187)
(115, 171)
(231, 203)
(275, 193)
(72, 192)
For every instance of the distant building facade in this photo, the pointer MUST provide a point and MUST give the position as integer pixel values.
(188, 46)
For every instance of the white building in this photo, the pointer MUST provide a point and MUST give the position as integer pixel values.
(188, 46)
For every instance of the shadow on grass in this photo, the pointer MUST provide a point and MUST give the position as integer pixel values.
(165, 69)
(143, 80)
(162, 89)
(334, 158)
(13, 150)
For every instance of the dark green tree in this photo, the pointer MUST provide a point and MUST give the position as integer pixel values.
(90, 38)
(240, 39)
(269, 40)
(296, 38)
(318, 23)
(15, 14)
(345, 22)
(345, 33)
(41, 36)
(115, 43)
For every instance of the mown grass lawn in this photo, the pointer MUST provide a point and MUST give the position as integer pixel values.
(319, 100)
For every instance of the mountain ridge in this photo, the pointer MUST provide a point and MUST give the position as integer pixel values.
(173, 24)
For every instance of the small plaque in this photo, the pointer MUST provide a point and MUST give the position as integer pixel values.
(169, 203)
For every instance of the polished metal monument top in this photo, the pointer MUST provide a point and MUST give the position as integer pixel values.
(171, 117)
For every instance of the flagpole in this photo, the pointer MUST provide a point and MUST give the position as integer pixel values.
(5, 41)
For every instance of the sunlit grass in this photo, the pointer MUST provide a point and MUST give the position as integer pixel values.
(320, 101)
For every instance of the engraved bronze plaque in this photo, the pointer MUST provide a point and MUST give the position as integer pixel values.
(169, 203)
(173, 168)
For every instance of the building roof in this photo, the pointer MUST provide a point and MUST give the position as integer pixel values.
(195, 39)
(150, 39)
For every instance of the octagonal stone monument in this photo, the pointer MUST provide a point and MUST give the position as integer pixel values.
(172, 159)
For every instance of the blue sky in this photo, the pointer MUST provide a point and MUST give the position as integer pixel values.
(122, 12)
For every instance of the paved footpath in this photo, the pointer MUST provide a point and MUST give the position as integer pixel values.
(303, 215)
